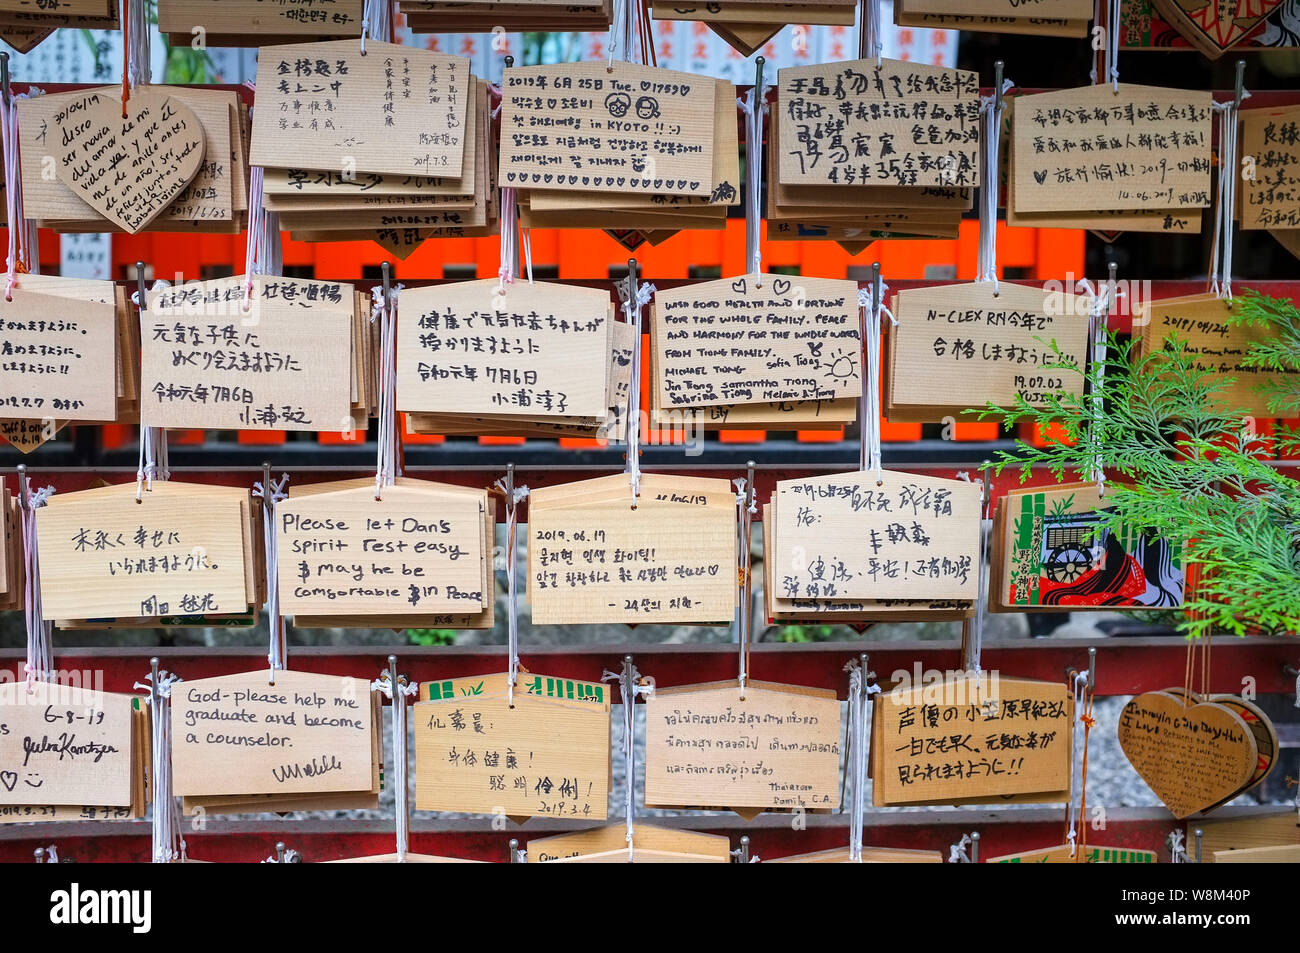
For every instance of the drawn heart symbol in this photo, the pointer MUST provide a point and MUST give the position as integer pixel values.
(546, 177)
(1193, 756)
(781, 285)
(1215, 26)
(9, 779)
(129, 170)
(1040, 177)
(738, 286)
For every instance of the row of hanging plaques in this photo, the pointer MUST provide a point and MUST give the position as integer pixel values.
(540, 748)
(852, 547)
(547, 359)
(858, 150)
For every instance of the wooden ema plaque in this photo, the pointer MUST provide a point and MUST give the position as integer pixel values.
(62, 745)
(279, 358)
(870, 855)
(594, 558)
(183, 548)
(1270, 198)
(985, 347)
(1145, 147)
(852, 536)
(757, 339)
(891, 122)
(129, 161)
(617, 127)
(970, 739)
(60, 357)
(394, 110)
(1266, 828)
(243, 735)
(1084, 855)
(539, 350)
(416, 550)
(1056, 554)
(1193, 755)
(1218, 348)
(607, 842)
(544, 757)
(777, 749)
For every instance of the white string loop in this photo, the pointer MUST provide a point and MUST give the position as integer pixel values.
(1225, 206)
(271, 496)
(754, 106)
(376, 22)
(990, 120)
(871, 314)
(40, 632)
(1074, 806)
(152, 460)
(957, 853)
(631, 685)
(633, 304)
(513, 499)
(398, 689)
(168, 841)
(388, 460)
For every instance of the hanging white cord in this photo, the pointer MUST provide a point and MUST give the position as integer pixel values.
(168, 842)
(152, 460)
(634, 297)
(1099, 307)
(754, 106)
(514, 495)
(860, 691)
(271, 497)
(991, 110)
(973, 630)
(376, 22)
(388, 463)
(398, 689)
(1074, 806)
(1225, 209)
(630, 686)
(871, 313)
(1112, 43)
(748, 506)
(1177, 847)
(509, 225)
(139, 55)
(957, 852)
(1110, 51)
(40, 632)
(621, 13)
(869, 43)
(19, 251)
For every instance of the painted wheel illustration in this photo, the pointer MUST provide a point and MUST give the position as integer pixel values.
(1067, 564)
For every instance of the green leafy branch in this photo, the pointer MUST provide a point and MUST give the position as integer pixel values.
(1194, 471)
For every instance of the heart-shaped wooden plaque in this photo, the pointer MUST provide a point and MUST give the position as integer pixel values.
(1215, 26)
(1193, 756)
(129, 169)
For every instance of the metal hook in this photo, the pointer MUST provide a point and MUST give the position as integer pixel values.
(1239, 86)
(975, 847)
(758, 80)
(139, 282)
(4, 77)
(997, 93)
(744, 840)
(24, 494)
(510, 61)
(387, 271)
(1199, 835)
